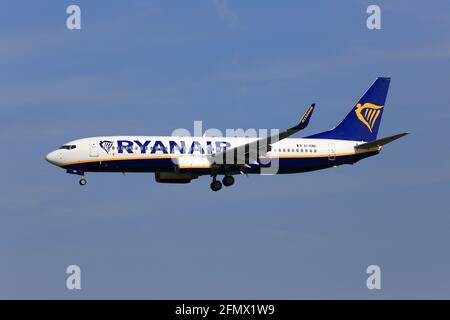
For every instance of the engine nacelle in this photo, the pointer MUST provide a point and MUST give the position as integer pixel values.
(171, 177)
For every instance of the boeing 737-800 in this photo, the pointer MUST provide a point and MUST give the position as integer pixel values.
(182, 159)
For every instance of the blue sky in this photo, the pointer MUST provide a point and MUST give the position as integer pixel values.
(149, 67)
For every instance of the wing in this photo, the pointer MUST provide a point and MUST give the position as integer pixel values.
(248, 153)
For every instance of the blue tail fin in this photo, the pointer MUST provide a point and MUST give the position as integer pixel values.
(362, 123)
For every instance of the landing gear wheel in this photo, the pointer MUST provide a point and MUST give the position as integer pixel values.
(82, 181)
(216, 185)
(228, 181)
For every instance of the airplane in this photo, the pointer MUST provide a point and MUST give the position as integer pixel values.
(182, 159)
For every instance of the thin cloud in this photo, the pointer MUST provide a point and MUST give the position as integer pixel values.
(225, 13)
(416, 54)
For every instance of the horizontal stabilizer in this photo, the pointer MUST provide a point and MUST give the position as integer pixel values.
(380, 142)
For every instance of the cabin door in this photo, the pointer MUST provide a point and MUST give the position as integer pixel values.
(331, 152)
(93, 149)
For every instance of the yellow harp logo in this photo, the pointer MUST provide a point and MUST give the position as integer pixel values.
(368, 114)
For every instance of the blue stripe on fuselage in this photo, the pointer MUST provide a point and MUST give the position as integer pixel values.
(286, 165)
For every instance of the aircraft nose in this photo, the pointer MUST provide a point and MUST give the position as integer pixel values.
(52, 157)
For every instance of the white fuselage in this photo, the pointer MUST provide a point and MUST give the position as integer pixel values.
(119, 150)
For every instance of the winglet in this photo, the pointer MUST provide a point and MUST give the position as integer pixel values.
(305, 119)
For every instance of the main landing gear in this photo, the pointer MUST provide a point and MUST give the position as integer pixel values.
(228, 181)
(217, 185)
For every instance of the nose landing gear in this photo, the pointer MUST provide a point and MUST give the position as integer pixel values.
(82, 182)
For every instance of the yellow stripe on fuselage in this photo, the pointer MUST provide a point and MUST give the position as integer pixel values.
(274, 156)
(194, 167)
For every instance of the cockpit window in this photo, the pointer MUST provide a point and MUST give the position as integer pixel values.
(68, 147)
